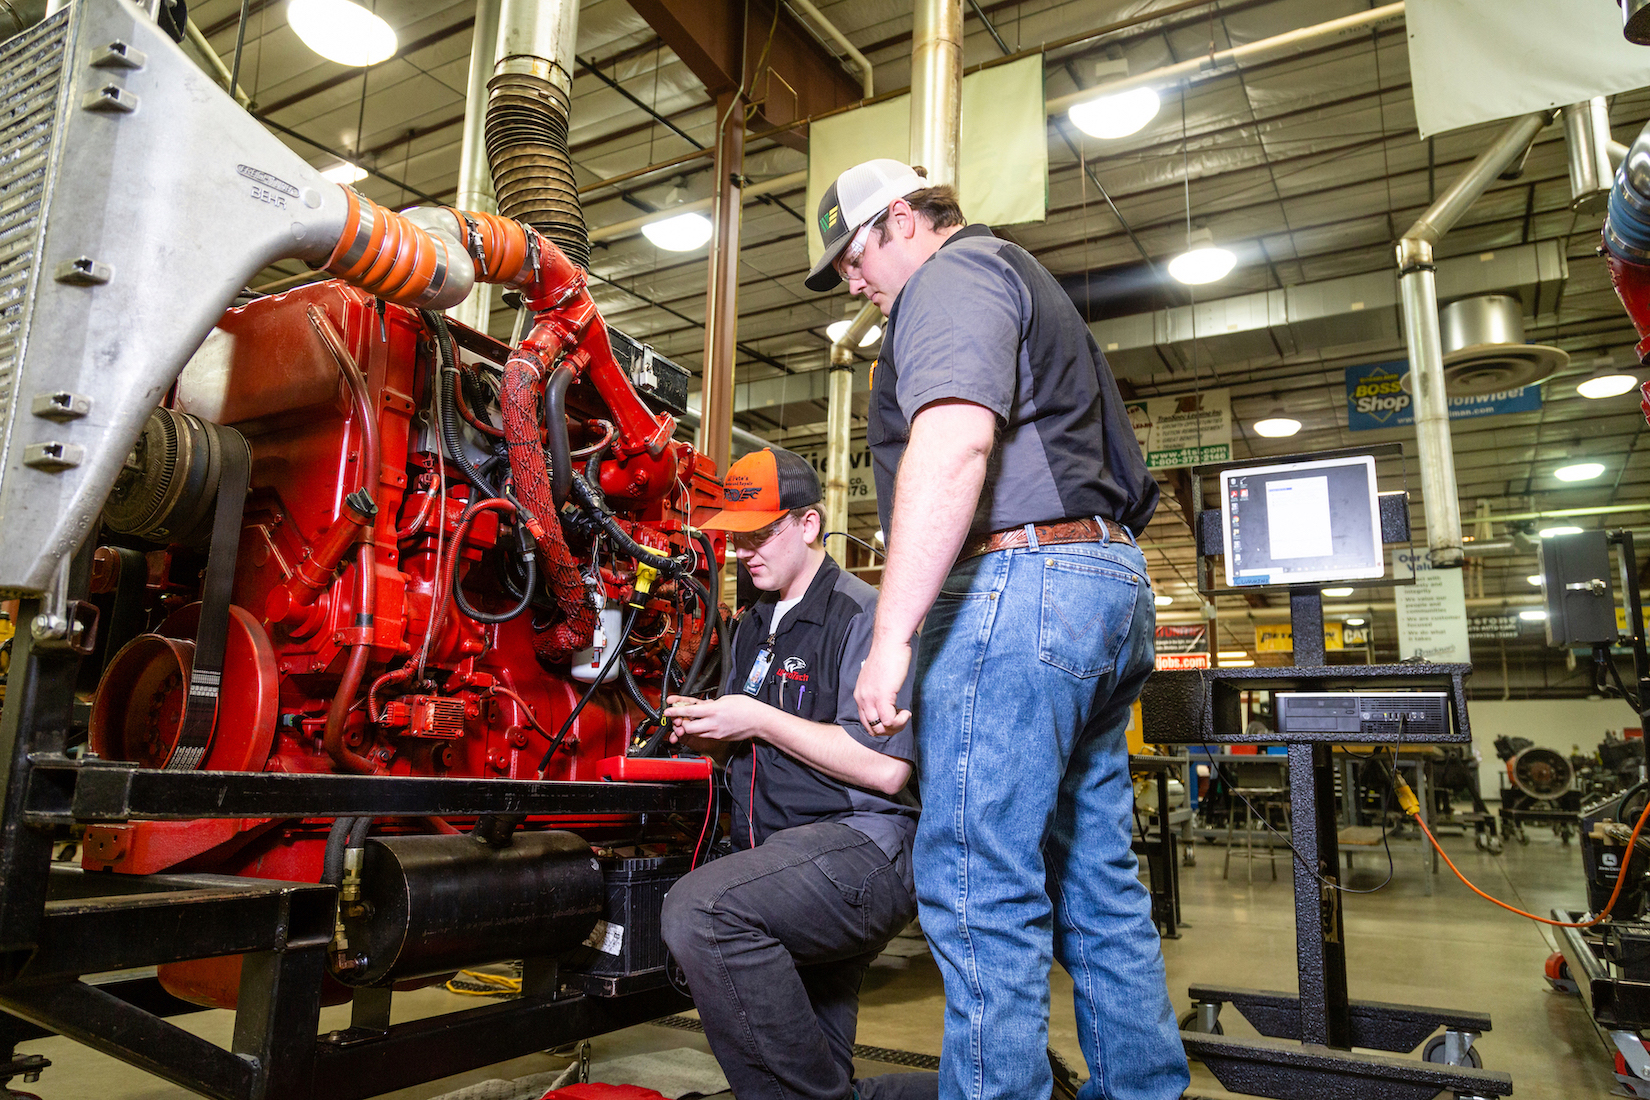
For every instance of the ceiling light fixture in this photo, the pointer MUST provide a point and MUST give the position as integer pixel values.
(1233, 654)
(1354, 621)
(1117, 115)
(1203, 261)
(1580, 471)
(1238, 664)
(1606, 384)
(1164, 601)
(836, 328)
(341, 31)
(1337, 593)
(1534, 615)
(1277, 426)
(345, 173)
(1553, 532)
(1535, 579)
(679, 233)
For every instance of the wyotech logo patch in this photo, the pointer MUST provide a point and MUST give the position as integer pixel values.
(830, 220)
(736, 491)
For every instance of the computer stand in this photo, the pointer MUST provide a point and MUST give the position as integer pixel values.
(1309, 1035)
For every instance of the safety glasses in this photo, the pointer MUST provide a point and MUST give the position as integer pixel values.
(847, 264)
(752, 540)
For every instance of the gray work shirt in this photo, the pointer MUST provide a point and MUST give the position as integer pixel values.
(982, 321)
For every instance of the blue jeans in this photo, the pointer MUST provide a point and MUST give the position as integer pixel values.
(1027, 667)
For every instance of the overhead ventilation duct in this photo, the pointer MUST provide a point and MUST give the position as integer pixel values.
(528, 102)
(1332, 318)
(1484, 348)
(1635, 21)
(1587, 141)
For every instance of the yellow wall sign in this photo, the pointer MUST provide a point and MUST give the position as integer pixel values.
(1280, 638)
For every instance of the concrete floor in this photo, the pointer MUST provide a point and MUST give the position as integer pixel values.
(1448, 950)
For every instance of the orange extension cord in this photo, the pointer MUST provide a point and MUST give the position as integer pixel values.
(1407, 799)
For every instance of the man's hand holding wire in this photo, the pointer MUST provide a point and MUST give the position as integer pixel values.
(730, 718)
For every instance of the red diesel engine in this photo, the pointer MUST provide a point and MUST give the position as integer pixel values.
(447, 562)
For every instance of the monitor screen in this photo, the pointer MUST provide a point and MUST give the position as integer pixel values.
(1302, 522)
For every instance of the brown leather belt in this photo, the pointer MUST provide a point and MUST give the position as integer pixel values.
(1048, 534)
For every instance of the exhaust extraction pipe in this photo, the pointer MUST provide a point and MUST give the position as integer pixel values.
(839, 419)
(529, 99)
(1627, 244)
(1419, 291)
(936, 114)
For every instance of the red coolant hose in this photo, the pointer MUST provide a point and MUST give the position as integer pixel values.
(366, 566)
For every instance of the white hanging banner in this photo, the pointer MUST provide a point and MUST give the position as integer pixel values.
(1002, 164)
(1472, 61)
(1432, 612)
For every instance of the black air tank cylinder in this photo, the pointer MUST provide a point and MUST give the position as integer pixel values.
(433, 904)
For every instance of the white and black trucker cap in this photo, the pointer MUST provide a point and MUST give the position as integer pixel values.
(857, 196)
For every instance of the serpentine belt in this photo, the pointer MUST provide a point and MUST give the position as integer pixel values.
(200, 711)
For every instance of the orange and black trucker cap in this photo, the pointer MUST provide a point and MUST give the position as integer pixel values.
(763, 486)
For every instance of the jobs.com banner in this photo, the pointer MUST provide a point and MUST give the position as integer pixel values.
(1377, 396)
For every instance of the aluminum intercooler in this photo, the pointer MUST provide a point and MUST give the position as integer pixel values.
(136, 199)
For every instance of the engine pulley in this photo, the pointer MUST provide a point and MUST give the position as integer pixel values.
(137, 713)
(169, 482)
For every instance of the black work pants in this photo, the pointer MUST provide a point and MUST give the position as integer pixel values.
(775, 941)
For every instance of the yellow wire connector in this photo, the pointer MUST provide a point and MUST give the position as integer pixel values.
(646, 575)
(1406, 797)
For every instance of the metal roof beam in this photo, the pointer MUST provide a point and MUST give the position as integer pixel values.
(719, 47)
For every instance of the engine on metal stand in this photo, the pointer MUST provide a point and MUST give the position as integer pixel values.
(364, 539)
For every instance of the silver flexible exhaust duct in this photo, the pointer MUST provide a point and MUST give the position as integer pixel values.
(528, 102)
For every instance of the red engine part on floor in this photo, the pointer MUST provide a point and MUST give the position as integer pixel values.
(316, 681)
(594, 1091)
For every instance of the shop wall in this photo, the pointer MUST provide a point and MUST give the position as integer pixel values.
(1557, 724)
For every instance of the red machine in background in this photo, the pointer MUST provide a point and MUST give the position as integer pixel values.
(413, 593)
(1625, 244)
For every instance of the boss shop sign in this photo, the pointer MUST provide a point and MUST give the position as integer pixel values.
(1378, 396)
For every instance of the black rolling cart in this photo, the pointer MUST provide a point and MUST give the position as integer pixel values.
(1306, 1052)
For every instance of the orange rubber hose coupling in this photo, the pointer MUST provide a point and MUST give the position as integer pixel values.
(385, 254)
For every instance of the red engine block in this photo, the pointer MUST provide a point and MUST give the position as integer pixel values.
(487, 699)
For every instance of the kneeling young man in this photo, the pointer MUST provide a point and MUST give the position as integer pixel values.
(776, 937)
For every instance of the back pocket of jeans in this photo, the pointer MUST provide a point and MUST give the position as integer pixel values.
(846, 871)
(1087, 611)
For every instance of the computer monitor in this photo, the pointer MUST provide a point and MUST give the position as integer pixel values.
(1302, 522)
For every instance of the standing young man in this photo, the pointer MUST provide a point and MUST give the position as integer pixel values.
(776, 937)
(1011, 488)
